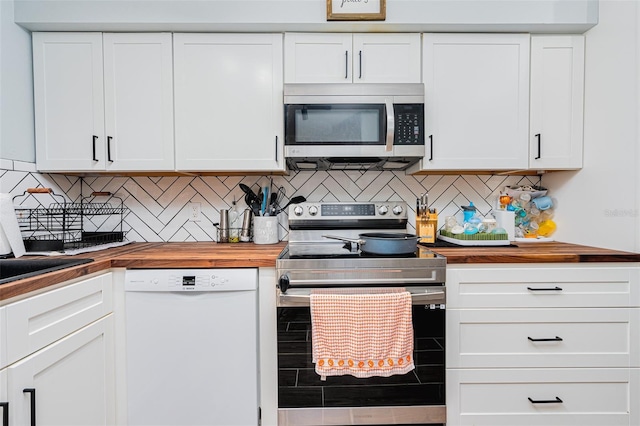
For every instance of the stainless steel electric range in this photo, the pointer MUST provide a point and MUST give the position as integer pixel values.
(312, 261)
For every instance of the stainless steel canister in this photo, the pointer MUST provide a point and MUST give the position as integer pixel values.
(224, 226)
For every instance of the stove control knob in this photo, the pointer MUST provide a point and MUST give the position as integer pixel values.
(383, 210)
(397, 210)
(313, 210)
(297, 210)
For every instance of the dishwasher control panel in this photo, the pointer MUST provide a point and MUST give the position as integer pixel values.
(196, 280)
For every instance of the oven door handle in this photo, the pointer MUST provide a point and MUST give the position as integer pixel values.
(426, 298)
(359, 281)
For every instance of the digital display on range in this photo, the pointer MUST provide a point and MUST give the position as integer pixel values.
(348, 210)
(189, 280)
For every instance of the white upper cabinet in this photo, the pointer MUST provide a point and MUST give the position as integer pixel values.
(228, 102)
(69, 103)
(557, 94)
(138, 87)
(476, 102)
(103, 111)
(352, 58)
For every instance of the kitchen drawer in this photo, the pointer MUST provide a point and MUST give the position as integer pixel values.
(506, 338)
(38, 321)
(557, 286)
(501, 397)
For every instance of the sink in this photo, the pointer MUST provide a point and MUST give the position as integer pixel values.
(17, 269)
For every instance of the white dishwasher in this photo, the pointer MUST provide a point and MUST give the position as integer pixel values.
(191, 347)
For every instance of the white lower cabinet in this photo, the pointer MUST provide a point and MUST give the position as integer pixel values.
(576, 396)
(70, 382)
(4, 398)
(543, 344)
(543, 338)
(58, 356)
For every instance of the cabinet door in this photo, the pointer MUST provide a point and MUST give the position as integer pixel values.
(72, 378)
(557, 93)
(4, 396)
(476, 101)
(317, 58)
(386, 58)
(138, 84)
(69, 103)
(228, 102)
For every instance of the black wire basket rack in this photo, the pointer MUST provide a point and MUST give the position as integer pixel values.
(62, 225)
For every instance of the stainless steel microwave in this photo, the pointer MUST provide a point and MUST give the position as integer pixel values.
(354, 126)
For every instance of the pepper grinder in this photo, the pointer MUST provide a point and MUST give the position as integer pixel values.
(224, 226)
(245, 234)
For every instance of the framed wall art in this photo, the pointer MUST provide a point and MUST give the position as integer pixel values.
(356, 10)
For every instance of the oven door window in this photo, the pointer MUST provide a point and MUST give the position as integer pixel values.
(335, 124)
(299, 386)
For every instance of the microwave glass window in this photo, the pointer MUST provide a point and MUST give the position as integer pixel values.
(339, 124)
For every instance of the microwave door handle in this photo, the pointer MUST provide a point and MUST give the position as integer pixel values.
(390, 124)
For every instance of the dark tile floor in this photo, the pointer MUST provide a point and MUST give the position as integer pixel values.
(300, 386)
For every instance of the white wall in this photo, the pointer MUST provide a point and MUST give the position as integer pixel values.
(598, 205)
(16, 89)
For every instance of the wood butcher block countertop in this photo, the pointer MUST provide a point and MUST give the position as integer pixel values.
(213, 255)
(201, 255)
(153, 255)
(547, 252)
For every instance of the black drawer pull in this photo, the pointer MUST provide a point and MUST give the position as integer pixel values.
(552, 339)
(94, 148)
(33, 404)
(539, 151)
(109, 149)
(546, 401)
(556, 288)
(431, 147)
(5, 413)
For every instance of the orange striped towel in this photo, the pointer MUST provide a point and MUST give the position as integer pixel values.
(362, 332)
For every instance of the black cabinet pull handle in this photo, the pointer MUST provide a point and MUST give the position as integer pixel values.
(5, 413)
(550, 339)
(32, 391)
(539, 151)
(430, 147)
(276, 148)
(109, 149)
(546, 401)
(556, 288)
(346, 64)
(94, 147)
(360, 63)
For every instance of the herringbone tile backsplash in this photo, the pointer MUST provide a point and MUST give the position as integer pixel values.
(158, 207)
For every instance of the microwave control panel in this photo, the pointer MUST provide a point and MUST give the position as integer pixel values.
(409, 124)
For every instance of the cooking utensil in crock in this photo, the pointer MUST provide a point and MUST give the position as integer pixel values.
(249, 194)
(387, 243)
